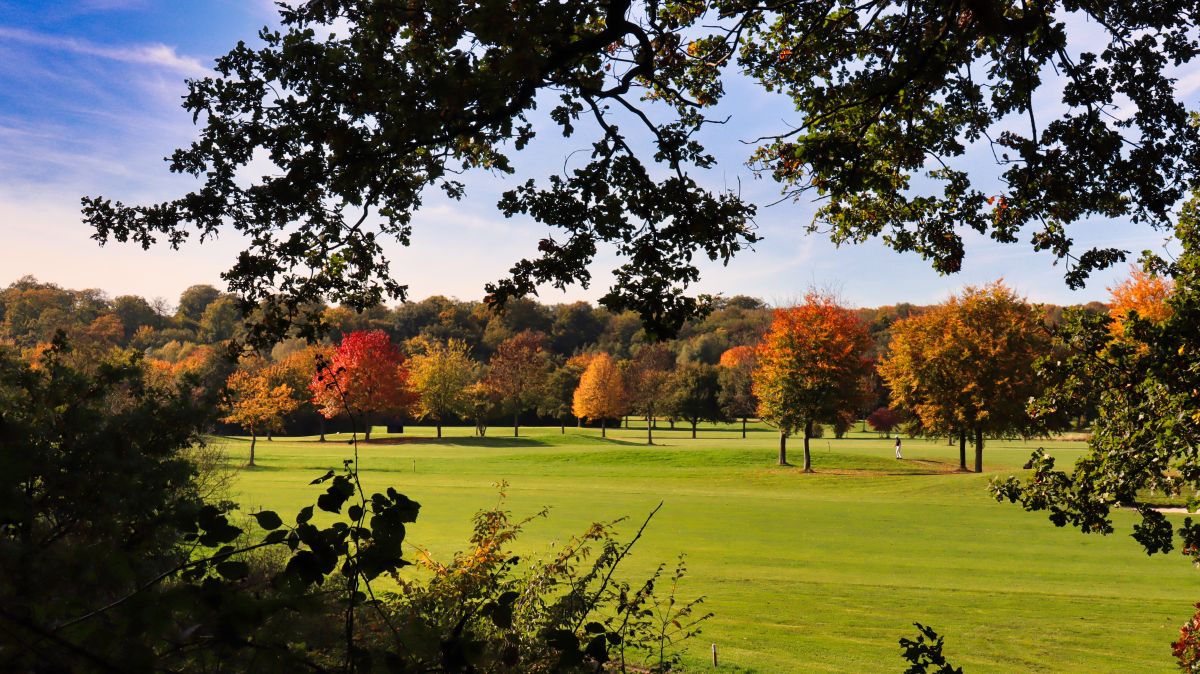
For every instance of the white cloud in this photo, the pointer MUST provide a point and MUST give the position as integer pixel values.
(155, 55)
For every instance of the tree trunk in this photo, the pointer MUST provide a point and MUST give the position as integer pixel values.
(439, 428)
(563, 422)
(603, 427)
(672, 424)
(253, 439)
(743, 428)
(269, 438)
(693, 430)
(321, 427)
(649, 432)
(516, 425)
(783, 448)
(978, 449)
(962, 449)
(808, 426)
(367, 424)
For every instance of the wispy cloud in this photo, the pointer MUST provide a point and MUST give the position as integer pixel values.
(156, 55)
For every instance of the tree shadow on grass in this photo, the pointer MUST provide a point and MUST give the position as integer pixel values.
(914, 467)
(464, 441)
(499, 442)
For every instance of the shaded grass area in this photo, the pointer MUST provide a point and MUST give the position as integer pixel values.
(805, 573)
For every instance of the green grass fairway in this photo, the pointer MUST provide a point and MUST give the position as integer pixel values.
(806, 573)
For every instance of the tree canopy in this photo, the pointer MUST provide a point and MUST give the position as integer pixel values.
(362, 107)
(258, 403)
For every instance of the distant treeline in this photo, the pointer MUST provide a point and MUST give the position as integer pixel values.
(32, 311)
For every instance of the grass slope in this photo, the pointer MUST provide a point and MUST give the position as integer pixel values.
(805, 573)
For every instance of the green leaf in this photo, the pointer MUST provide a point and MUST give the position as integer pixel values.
(304, 515)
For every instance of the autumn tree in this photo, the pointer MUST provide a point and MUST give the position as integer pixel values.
(884, 420)
(517, 370)
(648, 382)
(1143, 294)
(257, 403)
(601, 392)
(440, 373)
(695, 393)
(968, 367)
(811, 366)
(735, 376)
(366, 376)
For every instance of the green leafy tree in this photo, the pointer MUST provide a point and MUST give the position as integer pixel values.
(648, 381)
(193, 302)
(1142, 380)
(558, 390)
(220, 320)
(695, 394)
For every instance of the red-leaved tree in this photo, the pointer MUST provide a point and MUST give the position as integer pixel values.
(812, 366)
(366, 377)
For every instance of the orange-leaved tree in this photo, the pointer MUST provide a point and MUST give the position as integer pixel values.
(967, 367)
(1143, 294)
(366, 376)
(258, 402)
(601, 393)
(516, 372)
(812, 365)
(737, 383)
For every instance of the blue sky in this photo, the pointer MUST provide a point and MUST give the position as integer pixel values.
(89, 104)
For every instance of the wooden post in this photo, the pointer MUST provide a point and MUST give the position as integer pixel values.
(714, 646)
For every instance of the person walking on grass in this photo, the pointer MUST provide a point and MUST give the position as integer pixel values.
(898, 448)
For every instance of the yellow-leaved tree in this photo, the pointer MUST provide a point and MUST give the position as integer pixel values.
(601, 392)
(257, 402)
(440, 373)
